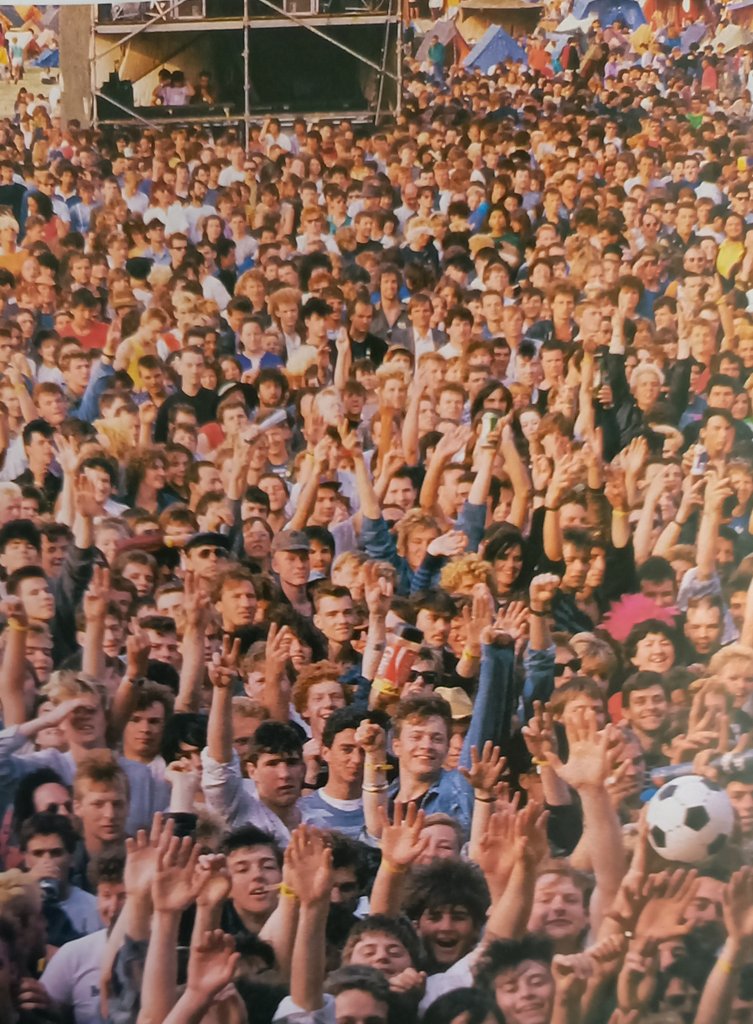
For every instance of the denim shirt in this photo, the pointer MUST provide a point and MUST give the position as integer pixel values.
(492, 713)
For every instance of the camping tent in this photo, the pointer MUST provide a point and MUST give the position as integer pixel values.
(733, 36)
(449, 34)
(570, 25)
(627, 11)
(494, 47)
(692, 34)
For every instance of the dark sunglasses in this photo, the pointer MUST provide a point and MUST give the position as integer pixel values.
(54, 808)
(429, 678)
(573, 665)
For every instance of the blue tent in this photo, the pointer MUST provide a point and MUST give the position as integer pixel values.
(607, 11)
(494, 47)
(47, 59)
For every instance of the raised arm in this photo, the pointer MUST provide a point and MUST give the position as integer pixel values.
(453, 441)
(401, 844)
(372, 740)
(220, 725)
(193, 665)
(717, 491)
(410, 423)
(174, 889)
(95, 610)
(313, 867)
(586, 772)
(521, 481)
(13, 665)
(722, 985)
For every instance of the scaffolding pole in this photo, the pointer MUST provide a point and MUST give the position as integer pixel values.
(385, 50)
(246, 75)
(318, 32)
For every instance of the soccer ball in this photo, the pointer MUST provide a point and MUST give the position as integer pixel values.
(690, 820)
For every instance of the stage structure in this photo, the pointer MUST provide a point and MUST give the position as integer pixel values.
(287, 58)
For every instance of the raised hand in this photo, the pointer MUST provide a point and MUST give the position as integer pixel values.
(66, 454)
(478, 617)
(176, 881)
(212, 879)
(137, 655)
(378, 588)
(738, 907)
(450, 544)
(542, 590)
(588, 763)
(485, 770)
(223, 670)
(308, 864)
(636, 984)
(86, 504)
(402, 842)
(97, 594)
(451, 442)
(511, 622)
(539, 734)
(141, 856)
(13, 608)
(667, 897)
(371, 739)
(211, 965)
(571, 974)
(195, 602)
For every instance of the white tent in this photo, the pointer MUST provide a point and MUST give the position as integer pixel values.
(570, 25)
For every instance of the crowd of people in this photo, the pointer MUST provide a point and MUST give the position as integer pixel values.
(375, 539)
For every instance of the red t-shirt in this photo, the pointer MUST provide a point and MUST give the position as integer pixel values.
(95, 337)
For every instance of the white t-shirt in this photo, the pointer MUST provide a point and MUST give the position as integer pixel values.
(72, 976)
(81, 908)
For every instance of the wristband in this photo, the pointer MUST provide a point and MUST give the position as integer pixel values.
(470, 655)
(394, 869)
(539, 762)
(285, 890)
(540, 614)
(485, 799)
(381, 767)
(620, 512)
(552, 508)
(726, 966)
(381, 788)
(16, 627)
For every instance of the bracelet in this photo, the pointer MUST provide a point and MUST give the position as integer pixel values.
(394, 869)
(470, 655)
(381, 767)
(541, 614)
(539, 762)
(620, 512)
(678, 523)
(309, 785)
(552, 508)
(12, 624)
(726, 966)
(285, 890)
(381, 788)
(485, 799)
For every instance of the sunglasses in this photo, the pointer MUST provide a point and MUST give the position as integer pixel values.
(429, 678)
(54, 808)
(573, 665)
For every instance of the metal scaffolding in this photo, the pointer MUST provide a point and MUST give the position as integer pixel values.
(164, 19)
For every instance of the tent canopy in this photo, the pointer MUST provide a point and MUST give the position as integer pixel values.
(607, 11)
(494, 47)
(449, 35)
(570, 25)
(733, 36)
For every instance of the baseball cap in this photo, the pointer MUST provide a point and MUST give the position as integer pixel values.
(291, 540)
